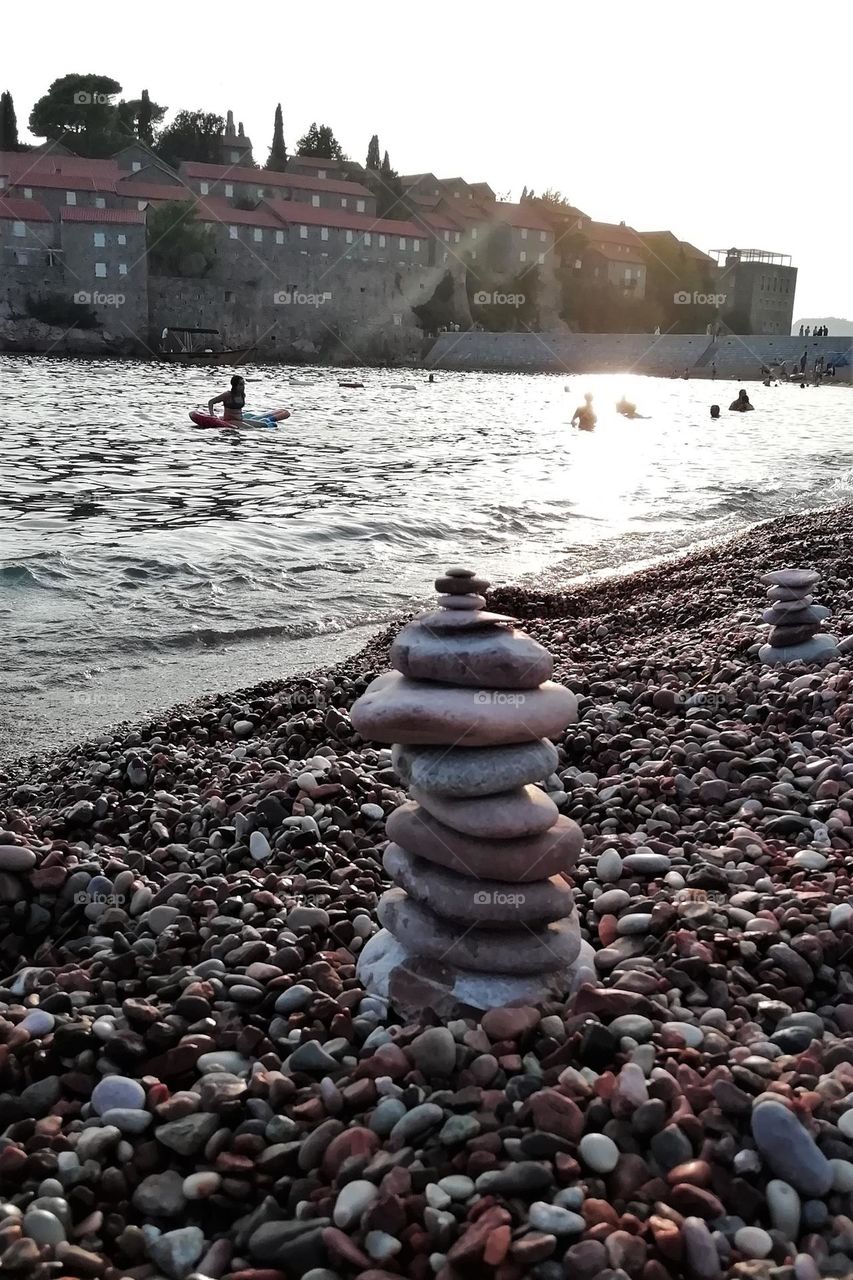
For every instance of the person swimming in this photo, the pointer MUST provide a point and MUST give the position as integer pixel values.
(626, 408)
(715, 411)
(584, 416)
(741, 405)
(233, 401)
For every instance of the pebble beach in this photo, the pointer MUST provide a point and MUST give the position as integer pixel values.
(194, 1084)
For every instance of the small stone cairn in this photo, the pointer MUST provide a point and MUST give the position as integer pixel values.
(481, 915)
(795, 619)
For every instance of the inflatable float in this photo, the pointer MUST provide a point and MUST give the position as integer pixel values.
(269, 419)
(351, 385)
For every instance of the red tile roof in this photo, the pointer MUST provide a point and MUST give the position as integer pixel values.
(519, 215)
(23, 210)
(63, 181)
(217, 209)
(155, 191)
(441, 221)
(271, 178)
(291, 211)
(617, 253)
(125, 217)
(20, 163)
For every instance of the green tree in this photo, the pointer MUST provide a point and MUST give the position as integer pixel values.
(192, 135)
(8, 124)
(79, 110)
(278, 151)
(319, 141)
(179, 245)
(373, 154)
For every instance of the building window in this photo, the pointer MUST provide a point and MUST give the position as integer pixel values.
(359, 206)
(100, 202)
(279, 237)
(19, 228)
(122, 239)
(22, 259)
(235, 157)
(259, 235)
(381, 242)
(416, 245)
(522, 257)
(204, 188)
(261, 193)
(456, 237)
(122, 268)
(447, 235)
(349, 237)
(324, 233)
(457, 195)
(542, 259)
(343, 202)
(321, 173)
(233, 233)
(367, 238)
(303, 233)
(100, 240)
(135, 166)
(100, 270)
(473, 233)
(140, 204)
(71, 197)
(524, 233)
(543, 236)
(473, 255)
(315, 200)
(28, 193)
(402, 242)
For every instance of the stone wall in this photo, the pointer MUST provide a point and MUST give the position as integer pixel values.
(561, 352)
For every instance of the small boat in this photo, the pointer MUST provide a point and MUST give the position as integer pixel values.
(351, 385)
(197, 346)
(271, 418)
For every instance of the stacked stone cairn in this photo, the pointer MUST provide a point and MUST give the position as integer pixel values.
(482, 914)
(795, 619)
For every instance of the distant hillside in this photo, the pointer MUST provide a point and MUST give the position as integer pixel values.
(837, 327)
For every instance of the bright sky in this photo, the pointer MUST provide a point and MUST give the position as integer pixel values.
(725, 123)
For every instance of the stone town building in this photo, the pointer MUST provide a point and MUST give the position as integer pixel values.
(759, 288)
(235, 183)
(616, 255)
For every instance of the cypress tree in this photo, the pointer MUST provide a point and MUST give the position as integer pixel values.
(8, 123)
(278, 151)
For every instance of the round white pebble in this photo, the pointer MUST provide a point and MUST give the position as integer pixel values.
(599, 1152)
(753, 1242)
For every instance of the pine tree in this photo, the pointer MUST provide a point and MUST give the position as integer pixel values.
(8, 123)
(373, 154)
(278, 151)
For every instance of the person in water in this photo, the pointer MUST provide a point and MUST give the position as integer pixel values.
(715, 411)
(741, 405)
(584, 416)
(233, 401)
(626, 408)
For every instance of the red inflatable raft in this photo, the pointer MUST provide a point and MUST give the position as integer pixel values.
(269, 419)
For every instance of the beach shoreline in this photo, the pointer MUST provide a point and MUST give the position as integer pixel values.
(183, 904)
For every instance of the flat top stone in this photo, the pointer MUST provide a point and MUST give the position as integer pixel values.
(791, 578)
(396, 709)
